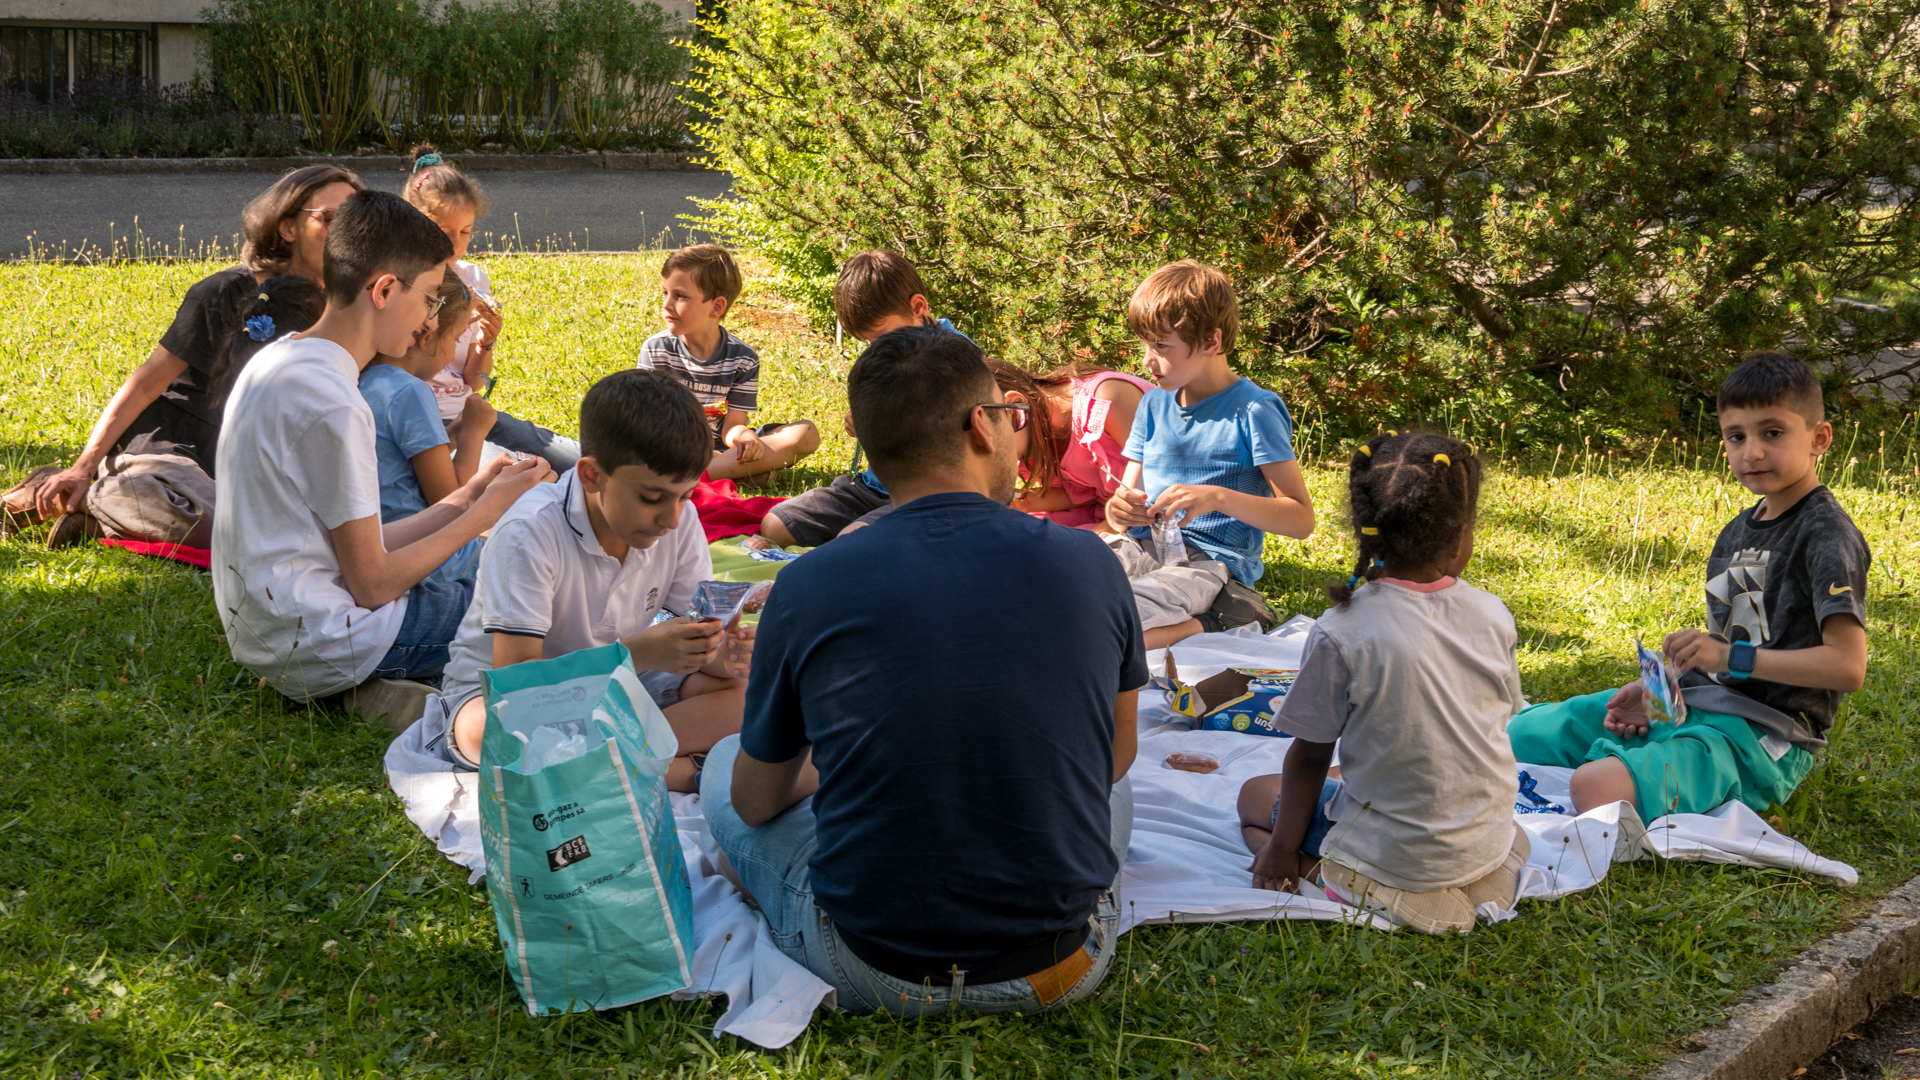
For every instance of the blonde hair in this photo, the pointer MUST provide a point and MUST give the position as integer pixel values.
(712, 269)
(434, 185)
(1188, 298)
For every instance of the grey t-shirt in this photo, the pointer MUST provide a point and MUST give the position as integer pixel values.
(1418, 688)
(1773, 583)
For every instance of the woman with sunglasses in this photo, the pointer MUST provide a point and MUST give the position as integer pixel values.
(170, 405)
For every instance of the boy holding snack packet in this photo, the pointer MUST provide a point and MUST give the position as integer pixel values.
(596, 558)
(1786, 632)
(1211, 451)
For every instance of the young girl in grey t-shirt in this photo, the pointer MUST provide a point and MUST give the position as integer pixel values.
(1413, 672)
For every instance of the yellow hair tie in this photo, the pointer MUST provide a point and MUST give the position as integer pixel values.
(1392, 432)
(263, 296)
(1367, 450)
(1442, 459)
(1368, 530)
(1471, 452)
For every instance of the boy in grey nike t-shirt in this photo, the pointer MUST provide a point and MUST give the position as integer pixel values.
(1785, 639)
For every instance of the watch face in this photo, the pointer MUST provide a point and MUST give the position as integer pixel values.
(1740, 657)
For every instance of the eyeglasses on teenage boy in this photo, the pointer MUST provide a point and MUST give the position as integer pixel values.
(434, 303)
(1017, 412)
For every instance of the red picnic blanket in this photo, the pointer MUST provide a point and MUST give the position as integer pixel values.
(725, 512)
(192, 556)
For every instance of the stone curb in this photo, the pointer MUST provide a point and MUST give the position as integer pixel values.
(371, 163)
(1824, 992)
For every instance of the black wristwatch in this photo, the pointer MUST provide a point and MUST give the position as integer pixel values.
(1740, 659)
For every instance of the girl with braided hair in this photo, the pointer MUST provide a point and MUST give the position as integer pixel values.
(1413, 672)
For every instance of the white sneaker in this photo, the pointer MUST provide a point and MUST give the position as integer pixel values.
(391, 703)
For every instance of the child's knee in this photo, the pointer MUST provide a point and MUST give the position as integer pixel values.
(470, 727)
(1598, 783)
(776, 530)
(1256, 800)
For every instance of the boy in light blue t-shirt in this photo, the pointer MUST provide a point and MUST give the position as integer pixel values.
(1210, 449)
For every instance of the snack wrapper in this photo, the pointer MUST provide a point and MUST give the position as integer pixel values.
(1169, 543)
(1664, 702)
(728, 600)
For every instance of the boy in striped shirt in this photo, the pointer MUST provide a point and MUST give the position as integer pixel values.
(698, 285)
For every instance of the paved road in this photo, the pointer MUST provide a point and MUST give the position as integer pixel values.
(589, 210)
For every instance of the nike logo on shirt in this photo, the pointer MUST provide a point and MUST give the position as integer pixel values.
(1835, 590)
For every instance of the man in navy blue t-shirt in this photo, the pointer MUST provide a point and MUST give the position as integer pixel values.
(954, 687)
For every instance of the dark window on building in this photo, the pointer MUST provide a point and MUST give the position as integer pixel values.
(33, 59)
(108, 52)
(45, 60)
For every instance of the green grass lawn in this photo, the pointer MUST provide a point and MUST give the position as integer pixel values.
(197, 879)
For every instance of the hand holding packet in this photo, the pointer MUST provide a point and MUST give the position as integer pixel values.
(728, 600)
(1662, 689)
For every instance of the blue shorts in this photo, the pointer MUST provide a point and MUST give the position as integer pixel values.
(1321, 825)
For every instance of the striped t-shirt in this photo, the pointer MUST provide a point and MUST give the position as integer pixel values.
(729, 381)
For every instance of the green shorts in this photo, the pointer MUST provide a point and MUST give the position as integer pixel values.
(1686, 769)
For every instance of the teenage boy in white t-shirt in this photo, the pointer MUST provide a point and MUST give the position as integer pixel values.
(318, 597)
(591, 560)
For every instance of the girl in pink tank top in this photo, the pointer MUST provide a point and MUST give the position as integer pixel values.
(1070, 454)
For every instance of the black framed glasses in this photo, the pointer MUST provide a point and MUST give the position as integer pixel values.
(1017, 412)
(434, 303)
(326, 215)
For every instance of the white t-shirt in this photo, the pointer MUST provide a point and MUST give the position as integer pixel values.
(450, 389)
(1418, 688)
(543, 574)
(296, 460)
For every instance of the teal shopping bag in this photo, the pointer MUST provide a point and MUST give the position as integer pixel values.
(584, 867)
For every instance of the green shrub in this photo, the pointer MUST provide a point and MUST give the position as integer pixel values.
(1545, 214)
(114, 117)
(530, 74)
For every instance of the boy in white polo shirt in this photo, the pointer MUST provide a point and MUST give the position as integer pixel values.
(316, 596)
(591, 560)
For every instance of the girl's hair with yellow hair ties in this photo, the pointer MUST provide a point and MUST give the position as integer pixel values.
(1408, 503)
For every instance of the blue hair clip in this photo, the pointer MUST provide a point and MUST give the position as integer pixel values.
(426, 160)
(260, 328)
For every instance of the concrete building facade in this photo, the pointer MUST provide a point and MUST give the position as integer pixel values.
(48, 45)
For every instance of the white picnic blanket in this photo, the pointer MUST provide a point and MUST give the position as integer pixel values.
(1186, 861)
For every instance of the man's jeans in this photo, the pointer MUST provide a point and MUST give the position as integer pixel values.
(772, 861)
